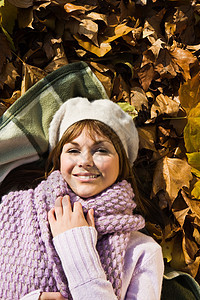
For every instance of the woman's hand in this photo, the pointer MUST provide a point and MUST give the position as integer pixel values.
(62, 217)
(51, 296)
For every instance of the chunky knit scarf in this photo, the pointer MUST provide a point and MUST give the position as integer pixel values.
(28, 259)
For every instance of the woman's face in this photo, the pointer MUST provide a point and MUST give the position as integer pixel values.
(89, 166)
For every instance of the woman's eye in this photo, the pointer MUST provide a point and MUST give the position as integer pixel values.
(73, 151)
(102, 150)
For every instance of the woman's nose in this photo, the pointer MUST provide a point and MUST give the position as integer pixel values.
(85, 159)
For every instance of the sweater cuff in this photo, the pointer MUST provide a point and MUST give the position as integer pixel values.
(34, 295)
(77, 251)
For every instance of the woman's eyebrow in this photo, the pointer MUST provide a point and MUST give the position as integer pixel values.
(72, 143)
(96, 143)
(102, 142)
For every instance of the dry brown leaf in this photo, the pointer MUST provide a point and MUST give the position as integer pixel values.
(97, 16)
(127, 10)
(12, 99)
(70, 7)
(196, 235)
(121, 90)
(146, 75)
(113, 19)
(193, 268)
(8, 102)
(178, 258)
(58, 60)
(181, 23)
(184, 59)
(165, 66)
(152, 28)
(180, 210)
(193, 204)
(151, 55)
(170, 175)
(132, 37)
(8, 75)
(189, 93)
(190, 247)
(3, 108)
(31, 75)
(105, 75)
(90, 29)
(21, 3)
(138, 98)
(48, 46)
(25, 17)
(164, 105)
(193, 48)
(147, 137)
(70, 29)
(5, 51)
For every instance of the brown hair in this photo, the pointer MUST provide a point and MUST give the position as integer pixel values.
(96, 127)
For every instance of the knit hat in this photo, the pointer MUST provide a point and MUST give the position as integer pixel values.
(104, 110)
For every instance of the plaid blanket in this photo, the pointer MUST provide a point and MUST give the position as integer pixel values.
(24, 126)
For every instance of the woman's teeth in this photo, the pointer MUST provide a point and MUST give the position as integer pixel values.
(87, 176)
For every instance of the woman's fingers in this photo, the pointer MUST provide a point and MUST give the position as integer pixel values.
(78, 208)
(67, 208)
(90, 217)
(51, 296)
(58, 207)
(51, 215)
(62, 217)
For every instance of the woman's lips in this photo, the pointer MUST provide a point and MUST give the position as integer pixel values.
(86, 175)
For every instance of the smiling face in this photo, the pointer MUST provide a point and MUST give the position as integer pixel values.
(89, 165)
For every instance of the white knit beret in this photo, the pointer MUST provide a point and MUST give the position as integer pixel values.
(104, 110)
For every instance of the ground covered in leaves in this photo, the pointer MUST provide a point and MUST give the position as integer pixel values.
(146, 54)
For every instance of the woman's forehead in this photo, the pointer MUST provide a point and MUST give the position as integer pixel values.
(94, 136)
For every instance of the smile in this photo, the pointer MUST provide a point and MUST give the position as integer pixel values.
(87, 176)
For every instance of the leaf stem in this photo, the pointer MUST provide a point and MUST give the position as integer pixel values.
(177, 118)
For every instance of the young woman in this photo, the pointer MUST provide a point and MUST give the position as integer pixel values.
(97, 251)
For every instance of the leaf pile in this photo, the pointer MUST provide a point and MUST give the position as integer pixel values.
(147, 57)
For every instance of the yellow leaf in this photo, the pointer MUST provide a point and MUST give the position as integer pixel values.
(89, 46)
(195, 172)
(2, 3)
(21, 3)
(196, 235)
(167, 249)
(196, 190)
(194, 159)
(128, 108)
(8, 13)
(114, 33)
(192, 130)
(189, 93)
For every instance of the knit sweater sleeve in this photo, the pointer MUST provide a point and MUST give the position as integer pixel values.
(143, 269)
(81, 263)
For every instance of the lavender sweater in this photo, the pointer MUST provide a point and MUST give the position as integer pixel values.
(142, 272)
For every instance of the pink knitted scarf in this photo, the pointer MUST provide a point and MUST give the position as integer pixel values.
(28, 259)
